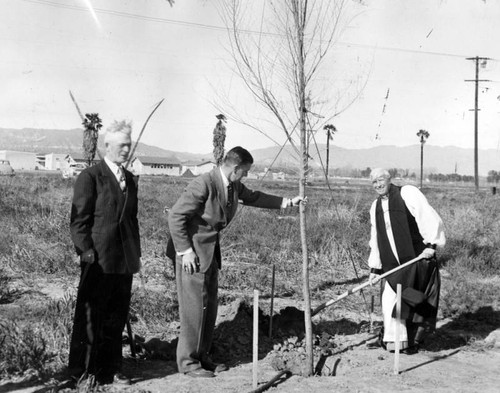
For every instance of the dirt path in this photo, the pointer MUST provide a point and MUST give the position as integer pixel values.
(462, 356)
(359, 370)
(355, 369)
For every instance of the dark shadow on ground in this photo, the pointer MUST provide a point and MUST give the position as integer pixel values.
(12, 386)
(145, 369)
(152, 365)
(232, 343)
(434, 359)
(464, 329)
(53, 383)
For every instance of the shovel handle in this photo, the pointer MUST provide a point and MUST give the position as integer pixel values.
(365, 284)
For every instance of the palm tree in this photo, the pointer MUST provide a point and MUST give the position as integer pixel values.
(330, 130)
(423, 135)
(92, 124)
(219, 138)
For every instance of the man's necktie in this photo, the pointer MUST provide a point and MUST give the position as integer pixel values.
(123, 184)
(230, 194)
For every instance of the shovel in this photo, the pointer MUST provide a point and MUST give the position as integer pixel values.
(361, 286)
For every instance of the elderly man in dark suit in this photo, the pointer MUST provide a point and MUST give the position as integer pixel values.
(205, 208)
(105, 232)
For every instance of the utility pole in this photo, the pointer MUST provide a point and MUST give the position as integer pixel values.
(476, 110)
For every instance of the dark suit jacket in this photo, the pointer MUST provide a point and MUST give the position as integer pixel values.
(201, 213)
(105, 218)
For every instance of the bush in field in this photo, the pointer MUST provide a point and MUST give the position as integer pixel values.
(23, 348)
(7, 293)
(35, 218)
(466, 291)
(37, 340)
(473, 232)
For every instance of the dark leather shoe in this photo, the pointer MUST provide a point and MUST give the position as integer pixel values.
(200, 373)
(214, 367)
(411, 350)
(121, 379)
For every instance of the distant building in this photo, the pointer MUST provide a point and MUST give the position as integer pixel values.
(269, 175)
(56, 161)
(19, 160)
(79, 158)
(145, 165)
(198, 167)
(188, 173)
(40, 161)
(279, 176)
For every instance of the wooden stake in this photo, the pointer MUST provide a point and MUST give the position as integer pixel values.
(397, 341)
(255, 336)
(272, 303)
(131, 337)
(372, 306)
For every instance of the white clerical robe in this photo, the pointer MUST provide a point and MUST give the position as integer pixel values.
(431, 229)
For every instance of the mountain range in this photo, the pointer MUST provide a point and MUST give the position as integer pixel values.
(437, 159)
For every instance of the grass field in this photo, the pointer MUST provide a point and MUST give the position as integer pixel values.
(36, 254)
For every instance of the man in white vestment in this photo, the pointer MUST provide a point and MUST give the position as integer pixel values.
(404, 226)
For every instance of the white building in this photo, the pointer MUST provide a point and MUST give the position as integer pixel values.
(56, 161)
(19, 160)
(198, 167)
(145, 165)
(268, 174)
(79, 158)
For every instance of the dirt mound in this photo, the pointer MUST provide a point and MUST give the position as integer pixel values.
(286, 348)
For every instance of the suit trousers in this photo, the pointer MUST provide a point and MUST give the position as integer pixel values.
(101, 312)
(197, 296)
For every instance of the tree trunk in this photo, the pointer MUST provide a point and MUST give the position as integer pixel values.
(302, 187)
(421, 163)
(327, 152)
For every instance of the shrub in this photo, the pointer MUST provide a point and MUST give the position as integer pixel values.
(7, 294)
(23, 348)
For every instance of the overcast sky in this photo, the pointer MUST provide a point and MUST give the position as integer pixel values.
(122, 59)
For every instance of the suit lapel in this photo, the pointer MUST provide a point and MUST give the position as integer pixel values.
(129, 181)
(114, 187)
(216, 177)
(220, 188)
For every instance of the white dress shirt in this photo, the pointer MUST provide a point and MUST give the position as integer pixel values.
(117, 170)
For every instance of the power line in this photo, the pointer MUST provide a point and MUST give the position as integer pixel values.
(126, 15)
(225, 29)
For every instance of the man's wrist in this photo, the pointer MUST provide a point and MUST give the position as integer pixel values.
(189, 250)
(430, 245)
(287, 202)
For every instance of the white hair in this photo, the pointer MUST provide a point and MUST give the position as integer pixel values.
(379, 172)
(122, 126)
